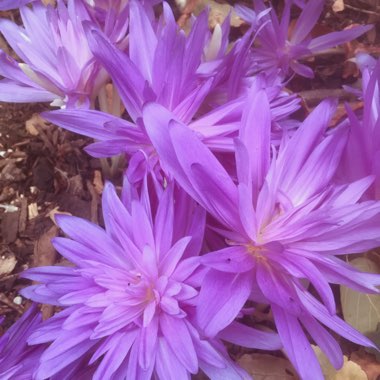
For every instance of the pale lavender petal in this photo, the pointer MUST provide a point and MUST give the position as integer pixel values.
(296, 344)
(337, 38)
(245, 336)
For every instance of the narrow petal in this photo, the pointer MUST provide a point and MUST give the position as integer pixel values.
(337, 38)
(178, 338)
(296, 344)
(245, 336)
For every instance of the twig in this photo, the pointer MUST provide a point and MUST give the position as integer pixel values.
(4, 299)
(366, 11)
(94, 202)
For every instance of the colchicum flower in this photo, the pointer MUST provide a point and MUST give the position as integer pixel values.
(129, 300)
(58, 65)
(279, 51)
(179, 72)
(284, 222)
(162, 65)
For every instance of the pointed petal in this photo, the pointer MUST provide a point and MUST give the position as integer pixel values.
(249, 337)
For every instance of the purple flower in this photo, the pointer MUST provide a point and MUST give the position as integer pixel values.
(129, 299)
(285, 221)
(279, 53)
(170, 68)
(18, 361)
(58, 65)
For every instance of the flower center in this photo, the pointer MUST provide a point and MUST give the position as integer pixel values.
(257, 251)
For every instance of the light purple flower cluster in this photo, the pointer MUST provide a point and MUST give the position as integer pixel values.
(228, 202)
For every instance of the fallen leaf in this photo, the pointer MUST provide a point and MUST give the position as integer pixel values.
(349, 370)
(368, 363)
(267, 367)
(360, 310)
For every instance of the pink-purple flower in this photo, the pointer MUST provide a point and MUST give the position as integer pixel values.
(129, 298)
(57, 65)
(282, 222)
(280, 52)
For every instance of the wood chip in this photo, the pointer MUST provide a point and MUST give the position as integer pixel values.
(4, 299)
(98, 182)
(32, 211)
(46, 255)
(9, 226)
(44, 252)
(23, 215)
(94, 202)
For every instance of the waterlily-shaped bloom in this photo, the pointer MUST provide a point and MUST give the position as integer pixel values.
(281, 48)
(130, 297)
(166, 66)
(57, 64)
(284, 222)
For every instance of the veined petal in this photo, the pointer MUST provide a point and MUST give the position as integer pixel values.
(142, 40)
(221, 298)
(296, 344)
(231, 260)
(178, 338)
(336, 38)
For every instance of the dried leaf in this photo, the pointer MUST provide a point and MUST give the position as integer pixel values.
(368, 363)
(267, 367)
(362, 311)
(349, 371)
